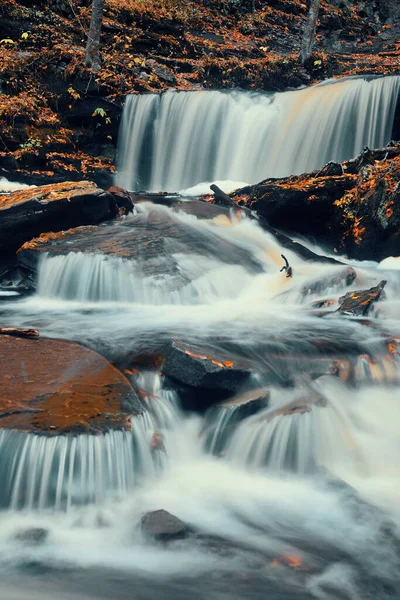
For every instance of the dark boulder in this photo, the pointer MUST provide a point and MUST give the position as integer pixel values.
(197, 368)
(30, 212)
(123, 199)
(160, 525)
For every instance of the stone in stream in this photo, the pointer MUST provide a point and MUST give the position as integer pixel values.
(198, 368)
(353, 209)
(162, 526)
(223, 418)
(345, 277)
(52, 387)
(247, 404)
(360, 302)
(35, 536)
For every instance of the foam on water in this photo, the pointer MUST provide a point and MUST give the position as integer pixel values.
(11, 186)
(276, 489)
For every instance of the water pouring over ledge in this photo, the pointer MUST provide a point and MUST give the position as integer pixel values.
(242, 136)
(280, 509)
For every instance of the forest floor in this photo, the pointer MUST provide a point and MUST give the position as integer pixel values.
(59, 120)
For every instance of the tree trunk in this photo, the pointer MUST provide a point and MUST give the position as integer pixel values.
(309, 31)
(92, 57)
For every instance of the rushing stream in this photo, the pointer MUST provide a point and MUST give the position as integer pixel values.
(290, 504)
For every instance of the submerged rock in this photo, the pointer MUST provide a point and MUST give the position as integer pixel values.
(343, 277)
(162, 526)
(30, 212)
(247, 404)
(154, 233)
(53, 387)
(33, 536)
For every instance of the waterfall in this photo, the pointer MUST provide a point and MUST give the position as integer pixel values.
(97, 278)
(61, 471)
(299, 435)
(64, 471)
(177, 139)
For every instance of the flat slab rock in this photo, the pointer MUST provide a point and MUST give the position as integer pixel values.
(142, 238)
(54, 387)
(29, 212)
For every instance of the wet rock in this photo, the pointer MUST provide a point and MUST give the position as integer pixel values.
(141, 238)
(14, 282)
(52, 387)
(223, 418)
(352, 207)
(304, 403)
(30, 212)
(199, 369)
(343, 277)
(162, 526)
(35, 536)
(123, 199)
(360, 303)
(247, 404)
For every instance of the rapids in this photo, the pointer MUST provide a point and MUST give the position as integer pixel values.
(297, 501)
(273, 491)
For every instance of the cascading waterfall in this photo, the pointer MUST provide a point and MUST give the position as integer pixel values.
(39, 471)
(311, 432)
(97, 278)
(313, 476)
(64, 471)
(243, 136)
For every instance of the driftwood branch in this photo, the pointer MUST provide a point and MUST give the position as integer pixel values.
(286, 267)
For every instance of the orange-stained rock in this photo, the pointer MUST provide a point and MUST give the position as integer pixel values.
(47, 193)
(142, 237)
(350, 207)
(28, 213)
(53, 387)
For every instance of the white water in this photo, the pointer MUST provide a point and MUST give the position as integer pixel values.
(274, 489)
(97, 488)
(11, 186)
(241, 136)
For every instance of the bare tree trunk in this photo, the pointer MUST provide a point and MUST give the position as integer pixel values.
(309, 31)
(92, 57)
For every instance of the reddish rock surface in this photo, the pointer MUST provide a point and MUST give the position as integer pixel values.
(54, 387)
